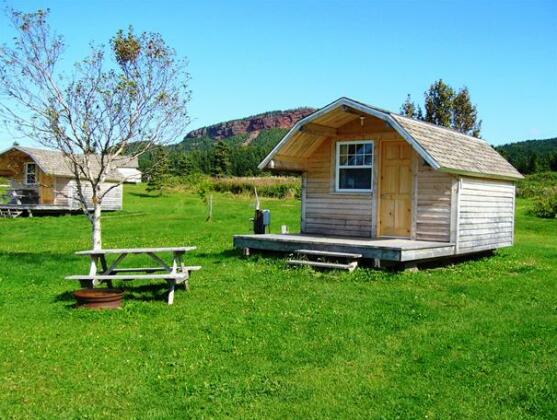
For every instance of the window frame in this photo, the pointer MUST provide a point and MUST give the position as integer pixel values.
(338, 167)
(27, 173)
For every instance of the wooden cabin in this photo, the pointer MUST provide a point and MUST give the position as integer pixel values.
(41, 181)
(389, 187)
(129, 170)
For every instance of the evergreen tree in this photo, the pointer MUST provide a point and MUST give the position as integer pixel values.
(533, 164)
(409, 109)
(446, 108)
(158, 172)
(221, 159)
(553, 162)
(465, 115)
(181, 164)
(439, 104)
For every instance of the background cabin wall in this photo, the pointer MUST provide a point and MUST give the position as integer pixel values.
(66, 189)
(63, 191)
(131, 175)
(12, 165)
(485, 214)
(113, 200)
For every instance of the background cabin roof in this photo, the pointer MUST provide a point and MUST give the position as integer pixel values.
(442, 148)
(54, 163)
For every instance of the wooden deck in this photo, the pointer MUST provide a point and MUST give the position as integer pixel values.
(399, 250)
(39, 209)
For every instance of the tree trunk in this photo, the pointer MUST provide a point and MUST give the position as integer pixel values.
(97, 238)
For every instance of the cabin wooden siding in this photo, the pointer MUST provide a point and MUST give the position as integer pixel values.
(13, 166)
(433, 204)
(326, 211)
(66, 190)
(485, 214)
(113, 200)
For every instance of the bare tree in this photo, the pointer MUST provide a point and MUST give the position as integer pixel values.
(119, 102)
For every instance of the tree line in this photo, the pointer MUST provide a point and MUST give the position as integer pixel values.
(531, 156)
(228, 157)
(446, 107)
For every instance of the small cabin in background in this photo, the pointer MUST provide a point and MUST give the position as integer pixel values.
(41, 181)
(388, 187)
(129, 170)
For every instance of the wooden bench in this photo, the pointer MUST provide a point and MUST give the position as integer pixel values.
(175, 273)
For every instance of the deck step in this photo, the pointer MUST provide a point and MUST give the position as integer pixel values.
(328, 254)
(350, 267)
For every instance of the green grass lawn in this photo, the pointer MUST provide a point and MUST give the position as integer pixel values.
(254, 339)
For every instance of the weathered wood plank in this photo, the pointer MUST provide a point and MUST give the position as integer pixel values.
(327, 253)
(136, 250)
(350, 266)
(176, 276)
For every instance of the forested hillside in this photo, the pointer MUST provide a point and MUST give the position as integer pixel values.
(228, 156)
(233, 147)
(531, 156)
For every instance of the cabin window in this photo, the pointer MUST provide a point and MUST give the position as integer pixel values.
(354, 162)
(30, 174)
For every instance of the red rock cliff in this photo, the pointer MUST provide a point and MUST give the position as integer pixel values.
(276, 119)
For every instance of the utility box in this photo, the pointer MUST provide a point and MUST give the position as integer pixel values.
(261, 221)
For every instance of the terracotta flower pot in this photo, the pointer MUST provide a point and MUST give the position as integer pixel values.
(99, 298)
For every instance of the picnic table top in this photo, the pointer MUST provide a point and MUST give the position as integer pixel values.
(136, 250)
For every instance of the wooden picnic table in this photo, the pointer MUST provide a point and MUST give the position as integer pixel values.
(174, 273)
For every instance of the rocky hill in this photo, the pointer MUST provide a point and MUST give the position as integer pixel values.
(251, 125)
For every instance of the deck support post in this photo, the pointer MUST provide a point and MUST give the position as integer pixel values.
(246, 252)
(410, 267)
(376, 263)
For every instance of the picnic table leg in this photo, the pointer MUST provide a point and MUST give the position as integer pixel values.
(171, 286)
(179, 262)
(104, 266)
(89, 284)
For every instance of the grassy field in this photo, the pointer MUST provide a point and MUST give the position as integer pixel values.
(254, 339)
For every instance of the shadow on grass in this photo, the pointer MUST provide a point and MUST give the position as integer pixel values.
(227, 253)
(144, 195)
(41, 257)
(147, 292)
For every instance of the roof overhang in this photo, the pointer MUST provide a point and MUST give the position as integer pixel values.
(479, 174)
(361, 108)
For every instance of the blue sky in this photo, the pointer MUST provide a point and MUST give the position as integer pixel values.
(248, 57)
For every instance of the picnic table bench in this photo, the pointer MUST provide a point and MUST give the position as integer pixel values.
(100, 272)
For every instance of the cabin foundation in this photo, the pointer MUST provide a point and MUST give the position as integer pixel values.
(377, 250)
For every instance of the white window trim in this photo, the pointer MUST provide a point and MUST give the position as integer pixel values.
(337, 166)
(27, 173)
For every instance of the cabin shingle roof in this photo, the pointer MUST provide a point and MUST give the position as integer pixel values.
(456, 151)
(53, 162)
(444, 149)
